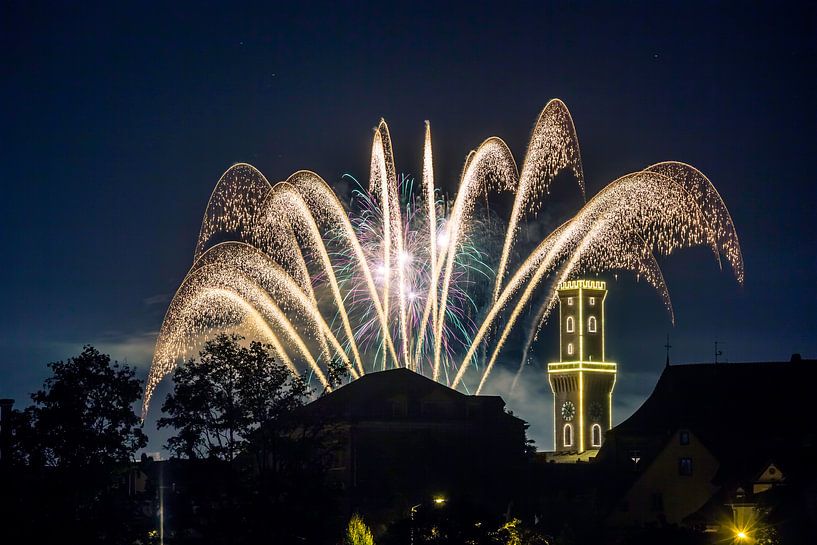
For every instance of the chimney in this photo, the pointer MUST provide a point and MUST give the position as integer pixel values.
(5, 429)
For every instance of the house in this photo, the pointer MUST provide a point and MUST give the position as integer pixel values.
(710, 428)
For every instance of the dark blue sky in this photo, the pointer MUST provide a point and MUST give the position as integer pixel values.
(117, 122)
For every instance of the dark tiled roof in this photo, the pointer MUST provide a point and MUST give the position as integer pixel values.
(355, 397)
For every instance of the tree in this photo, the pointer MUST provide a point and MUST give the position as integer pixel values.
(84, 414)
(357, 533)
(72, 449)
(221, 400)
(232, 410)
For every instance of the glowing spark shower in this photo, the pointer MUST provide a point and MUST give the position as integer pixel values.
(417, 279)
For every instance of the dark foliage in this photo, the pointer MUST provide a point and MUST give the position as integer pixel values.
(66, 479)
(221, 400)
(246, 472)
(84, 415)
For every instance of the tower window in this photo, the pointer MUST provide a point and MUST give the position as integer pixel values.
(591, 324)
(596, 435)
(570, 325)
(569, 349)
(592, 301)
(683, 437)
(685, 466)
(570, 301)
(567, 438)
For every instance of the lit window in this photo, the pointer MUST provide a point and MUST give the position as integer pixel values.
(596, 435)
(570, 325)
(591, 324)
(568, 435)
(570, 301)
(592, 301)
(685, 466)
(569, 349)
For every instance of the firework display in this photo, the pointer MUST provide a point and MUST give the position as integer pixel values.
(390, 281)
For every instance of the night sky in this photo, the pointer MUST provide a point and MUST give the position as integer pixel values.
(117, 124)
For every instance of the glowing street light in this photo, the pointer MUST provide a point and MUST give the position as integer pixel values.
(439, 500)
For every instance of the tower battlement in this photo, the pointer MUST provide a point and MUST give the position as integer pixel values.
(583, 284)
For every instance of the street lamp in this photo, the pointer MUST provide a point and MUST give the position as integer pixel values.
(438, 501)
(413, 511)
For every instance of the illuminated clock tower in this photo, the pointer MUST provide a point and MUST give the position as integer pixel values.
(582, 380)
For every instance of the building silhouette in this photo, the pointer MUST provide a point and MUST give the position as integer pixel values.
(401, 438)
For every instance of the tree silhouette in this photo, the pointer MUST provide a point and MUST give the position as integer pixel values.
(84, 414)
(72, 451)
(220, 401)
(232, 410)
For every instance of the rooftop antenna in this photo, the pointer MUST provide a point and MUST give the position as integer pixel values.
(668, 346)
(717, 352)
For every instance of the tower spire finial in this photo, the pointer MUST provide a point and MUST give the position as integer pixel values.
(667, 346)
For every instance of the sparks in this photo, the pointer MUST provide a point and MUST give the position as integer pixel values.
(395, 281)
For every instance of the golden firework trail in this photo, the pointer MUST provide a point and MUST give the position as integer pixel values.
(286, 263)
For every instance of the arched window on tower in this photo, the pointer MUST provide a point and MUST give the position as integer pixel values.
(567, 438)
(569, 324)
(591, 324)
(569, 349)
(596, 430)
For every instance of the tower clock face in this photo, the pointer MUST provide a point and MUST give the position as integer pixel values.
(596, 411)
(568, 410)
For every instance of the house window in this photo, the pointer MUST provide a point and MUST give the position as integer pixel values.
(596, 432)
(567, 438)
(570, 324)
(592, 301)
(569, 349)
(683, 437)
(591, 324)
(685, 466)
(570, 301)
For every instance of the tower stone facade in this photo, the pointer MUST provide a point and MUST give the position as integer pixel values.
(582, 380)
